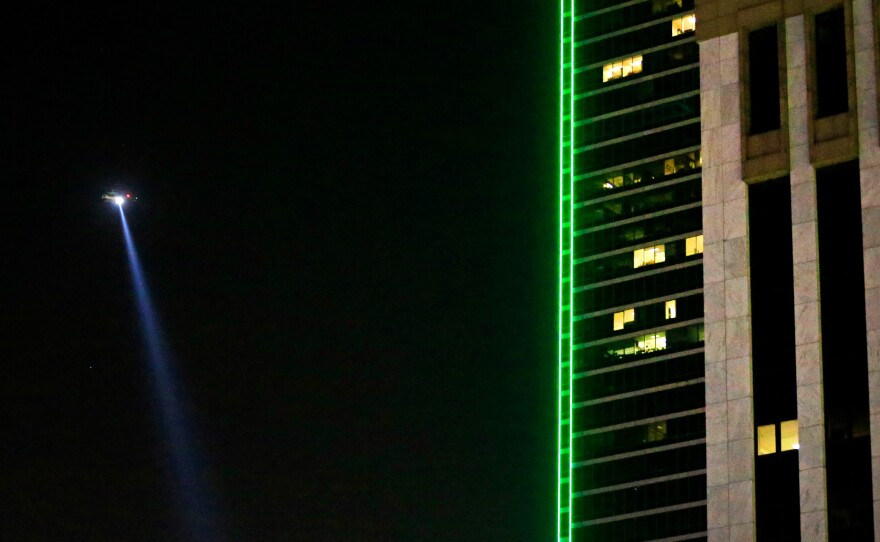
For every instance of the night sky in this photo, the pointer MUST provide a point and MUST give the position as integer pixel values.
(348, 220)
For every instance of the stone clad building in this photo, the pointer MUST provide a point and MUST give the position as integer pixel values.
(791, 225)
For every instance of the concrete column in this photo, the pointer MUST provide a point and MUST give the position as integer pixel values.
(869, 174)
(729, 416)
(807, 314)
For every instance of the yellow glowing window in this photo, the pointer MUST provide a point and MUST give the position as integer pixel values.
(649, 256)
(621, 68)
(788, 436)
(649, 343)
(641, 345)
(623, 317)
(669, 167)
(693, 245)
(766, 439)
(637, 64)
(621, 180)
(614, 182)
(685, 23)
(655, 431)
(670, 309)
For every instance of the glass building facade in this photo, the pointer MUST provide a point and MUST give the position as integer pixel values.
(632, 455)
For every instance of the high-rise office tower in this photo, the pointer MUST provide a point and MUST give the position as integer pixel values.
(791, 222)
(632, 448)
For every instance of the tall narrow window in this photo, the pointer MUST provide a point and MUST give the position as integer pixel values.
(763, 80)
(693, 245)
(767, 439)
(623, 317)
(788, 436)
(670, 309)
(831, 79)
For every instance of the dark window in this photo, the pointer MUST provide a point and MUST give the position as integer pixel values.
(772, 301)
(844, 353)
(831, 79)
(763, 80)
(774, 367)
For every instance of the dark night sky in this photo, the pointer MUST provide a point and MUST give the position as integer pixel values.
(348, 222)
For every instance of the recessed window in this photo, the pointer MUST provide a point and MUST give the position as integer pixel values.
(686, 23)
(693, 245)
(788, 436)
(670, 309)
(622, 68)
(623, 317)
(649, 256)
(766, 439)
(763, 57)
(832, 91)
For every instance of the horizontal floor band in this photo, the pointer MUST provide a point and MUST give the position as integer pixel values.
(631, 248)
(637, 190)
(634, 276)
(589, 14)
(656, 48)
(632, 109)
(639, 363)
(635, 81)
(637, 453)
(635, 334)
(643, 513)
(640, 218)
(639, 483)
(645, 391)
(612, 310)
(633, 163)
(636, 423)
(628, 29)
(637, 135)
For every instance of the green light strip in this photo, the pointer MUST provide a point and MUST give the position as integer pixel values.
(571, 252)
(560, 474)
(566, 238)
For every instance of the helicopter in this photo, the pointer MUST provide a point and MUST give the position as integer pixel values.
(117, 197)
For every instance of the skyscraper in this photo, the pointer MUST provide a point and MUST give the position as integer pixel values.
(791, 215)
(632, 448)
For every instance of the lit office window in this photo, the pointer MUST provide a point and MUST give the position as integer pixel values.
(670, 309)
(685, 23)
(683, 162)
(621, 180)
(651, 342)
(788, 436)
(655, 431)
(693, 245)
(766, 439)
(623, 317)
(614, 182)
(649, 256)
(622, 68)
(642, 345)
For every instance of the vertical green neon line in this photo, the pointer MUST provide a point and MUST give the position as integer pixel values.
(566, 207)
(571, 119)
(561, 233)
